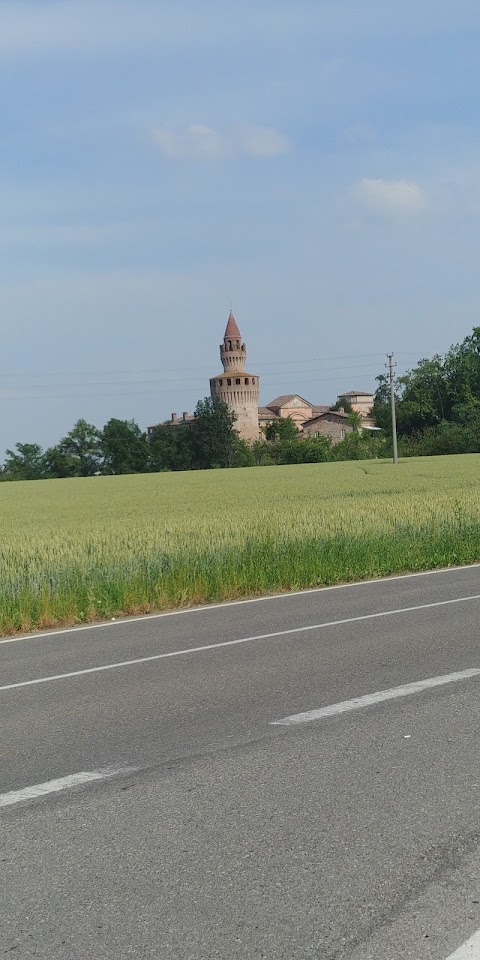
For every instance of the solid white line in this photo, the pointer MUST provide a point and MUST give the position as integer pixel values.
(63, 783)
(233, 643)
(470, 950)
(122, 621)
(346, 706)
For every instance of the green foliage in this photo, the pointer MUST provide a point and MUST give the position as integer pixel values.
(282, 429)
(381, 404)
(462, 369)
(170, 447)
(438, 402)
(359, 446)
(425, 397)
(243, 454)
(354, 419)
(58, 464)
(82, 448)
(124, 447)
(24, 463)
(343, 404)
(213, 435)
(300, 450)
(446, 438)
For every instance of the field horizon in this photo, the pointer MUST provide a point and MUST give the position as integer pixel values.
(81, 550)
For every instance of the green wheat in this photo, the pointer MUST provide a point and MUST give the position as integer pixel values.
(78, 550)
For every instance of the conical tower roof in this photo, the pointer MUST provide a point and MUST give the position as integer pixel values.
(231, 330)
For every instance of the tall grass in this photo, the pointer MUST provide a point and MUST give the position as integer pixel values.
(78, 550)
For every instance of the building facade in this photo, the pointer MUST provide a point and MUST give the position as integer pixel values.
(289, 405)
(237, 388)
(333, 424)
(359, 401)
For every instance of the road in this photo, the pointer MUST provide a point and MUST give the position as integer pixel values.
(175, 786)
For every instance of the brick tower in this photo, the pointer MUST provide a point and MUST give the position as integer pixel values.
(235, 386)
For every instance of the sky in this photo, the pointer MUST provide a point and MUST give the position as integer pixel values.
(313, 165)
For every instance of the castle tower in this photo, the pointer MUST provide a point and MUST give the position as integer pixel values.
(235, 386)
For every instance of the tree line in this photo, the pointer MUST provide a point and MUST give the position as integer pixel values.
(438, 412)
(210, 441)
(437, 403)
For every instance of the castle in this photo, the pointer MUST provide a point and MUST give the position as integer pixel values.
(237, 388)
(240, 391)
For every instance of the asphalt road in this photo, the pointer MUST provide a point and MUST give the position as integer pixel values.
(153, 806)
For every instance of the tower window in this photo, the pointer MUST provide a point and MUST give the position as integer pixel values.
(237, 381)
(229, 383)
(253, 379)
(219, 383)
(229, 344)
(246, 381)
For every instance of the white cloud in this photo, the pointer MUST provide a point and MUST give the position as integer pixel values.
(390, 196)
(262, 142)
(198, 142)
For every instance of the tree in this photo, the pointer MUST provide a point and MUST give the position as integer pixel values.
(359, 446)
(213, 434)
(438, 390)
(171, 447)
(381, 411)
(299, 450)
(24, 464)
(425, 398)
(282, 429)
(243, 455)
(344, 404)
(58, 464)
(82, 446)
(354, 419)
(124, 447)
(462, 369)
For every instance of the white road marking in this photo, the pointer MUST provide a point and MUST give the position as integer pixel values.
(470, 950)
(233, 643)
(346, 706)
(122, 621)
(64, 783)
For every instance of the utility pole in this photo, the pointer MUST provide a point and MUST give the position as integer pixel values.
(391, 366)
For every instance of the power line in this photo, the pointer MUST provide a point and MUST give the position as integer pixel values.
(319, 375)
(132, 393)
(362, 371)
(162, 370)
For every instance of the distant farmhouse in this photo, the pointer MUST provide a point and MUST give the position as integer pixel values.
(240, 391)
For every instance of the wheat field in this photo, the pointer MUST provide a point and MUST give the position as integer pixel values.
(86, 549)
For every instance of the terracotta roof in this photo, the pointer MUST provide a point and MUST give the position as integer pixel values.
(317, 411)
(355, 393)
(231, 330)
(190, 418)
(266, 413)
(283, 401)
(332, 413)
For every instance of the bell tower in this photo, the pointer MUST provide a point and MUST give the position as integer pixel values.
(237, 388)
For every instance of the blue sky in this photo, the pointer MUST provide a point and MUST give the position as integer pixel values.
(315, 165)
